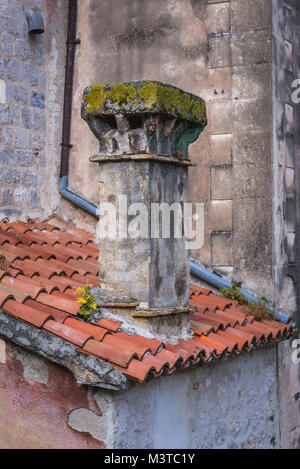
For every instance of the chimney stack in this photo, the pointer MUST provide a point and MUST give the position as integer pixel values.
(144, 129)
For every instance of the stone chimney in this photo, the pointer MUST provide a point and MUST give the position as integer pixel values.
(144, 129)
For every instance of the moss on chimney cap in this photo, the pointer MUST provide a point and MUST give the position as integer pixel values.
(138, 97)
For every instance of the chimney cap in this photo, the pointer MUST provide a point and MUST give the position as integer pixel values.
(143, 97)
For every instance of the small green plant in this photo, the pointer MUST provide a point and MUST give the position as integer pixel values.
(87, 300)
(259, 309)
(234, 293)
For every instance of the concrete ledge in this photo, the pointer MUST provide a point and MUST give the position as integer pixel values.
(142, 157)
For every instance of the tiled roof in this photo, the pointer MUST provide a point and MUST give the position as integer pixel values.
(40, 265)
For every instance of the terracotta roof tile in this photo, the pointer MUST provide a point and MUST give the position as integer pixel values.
(72, 335)
(97, 332)
(42, 264)
(26, 313)
(110, 353)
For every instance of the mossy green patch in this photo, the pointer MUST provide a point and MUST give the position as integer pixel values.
(94, 98)
(120, 94)
(145, 96)
(148, 94)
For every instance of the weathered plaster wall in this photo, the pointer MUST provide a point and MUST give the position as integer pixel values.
(232, 404)
(36, 398)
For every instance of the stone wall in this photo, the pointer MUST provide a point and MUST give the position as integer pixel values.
(222, 52)
(232, 404)
(286, 183)
(23, 78)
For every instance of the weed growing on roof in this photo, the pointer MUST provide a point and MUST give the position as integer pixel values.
(87, 300)
(234, 293)
(259, 309)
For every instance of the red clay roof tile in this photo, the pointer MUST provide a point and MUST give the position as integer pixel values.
(26, 313)
(110, 352)
(72, 335)
(41, 266)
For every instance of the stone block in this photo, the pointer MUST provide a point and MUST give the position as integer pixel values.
(13, 176)
(290, 214)
(220, 116)
(13, 27)
(31, 75)
(6, 42)
(221, 183)
(217, 18)
(29, 178)
(24, 158)
(21, 197)
(250, 16)
(22, 49)
(221, 245)
(38, 54)
(251, 114)
(7, 136)
(220, 215)
(219, 83)
(4, 6)
(290, 182)
(4, 114)
(289, 151)
(250, 48)
(15, 118)
(7, 195)
(251, 82)
(26, 117)
(34, 199)
(221, 149)
(20, 94)
(22, 138)
(6, 155)
(43, 80)
(219, 51)
(251, 180)
(14, 70)
(37, 99)
(16, 9)
(38, 142)
(252, 148)
(291, 237)
(289, 118)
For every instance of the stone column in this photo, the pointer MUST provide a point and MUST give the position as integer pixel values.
(144, 129)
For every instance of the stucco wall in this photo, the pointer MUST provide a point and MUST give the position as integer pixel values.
(36, 398)
(231, 404)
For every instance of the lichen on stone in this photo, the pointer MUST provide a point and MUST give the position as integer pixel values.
(148, 93)
(144, 96)
(94, 98)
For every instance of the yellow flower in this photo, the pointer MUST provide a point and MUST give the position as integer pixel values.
(81, 300)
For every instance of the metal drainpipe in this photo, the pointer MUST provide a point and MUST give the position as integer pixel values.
(72, 41)
(197, 270)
